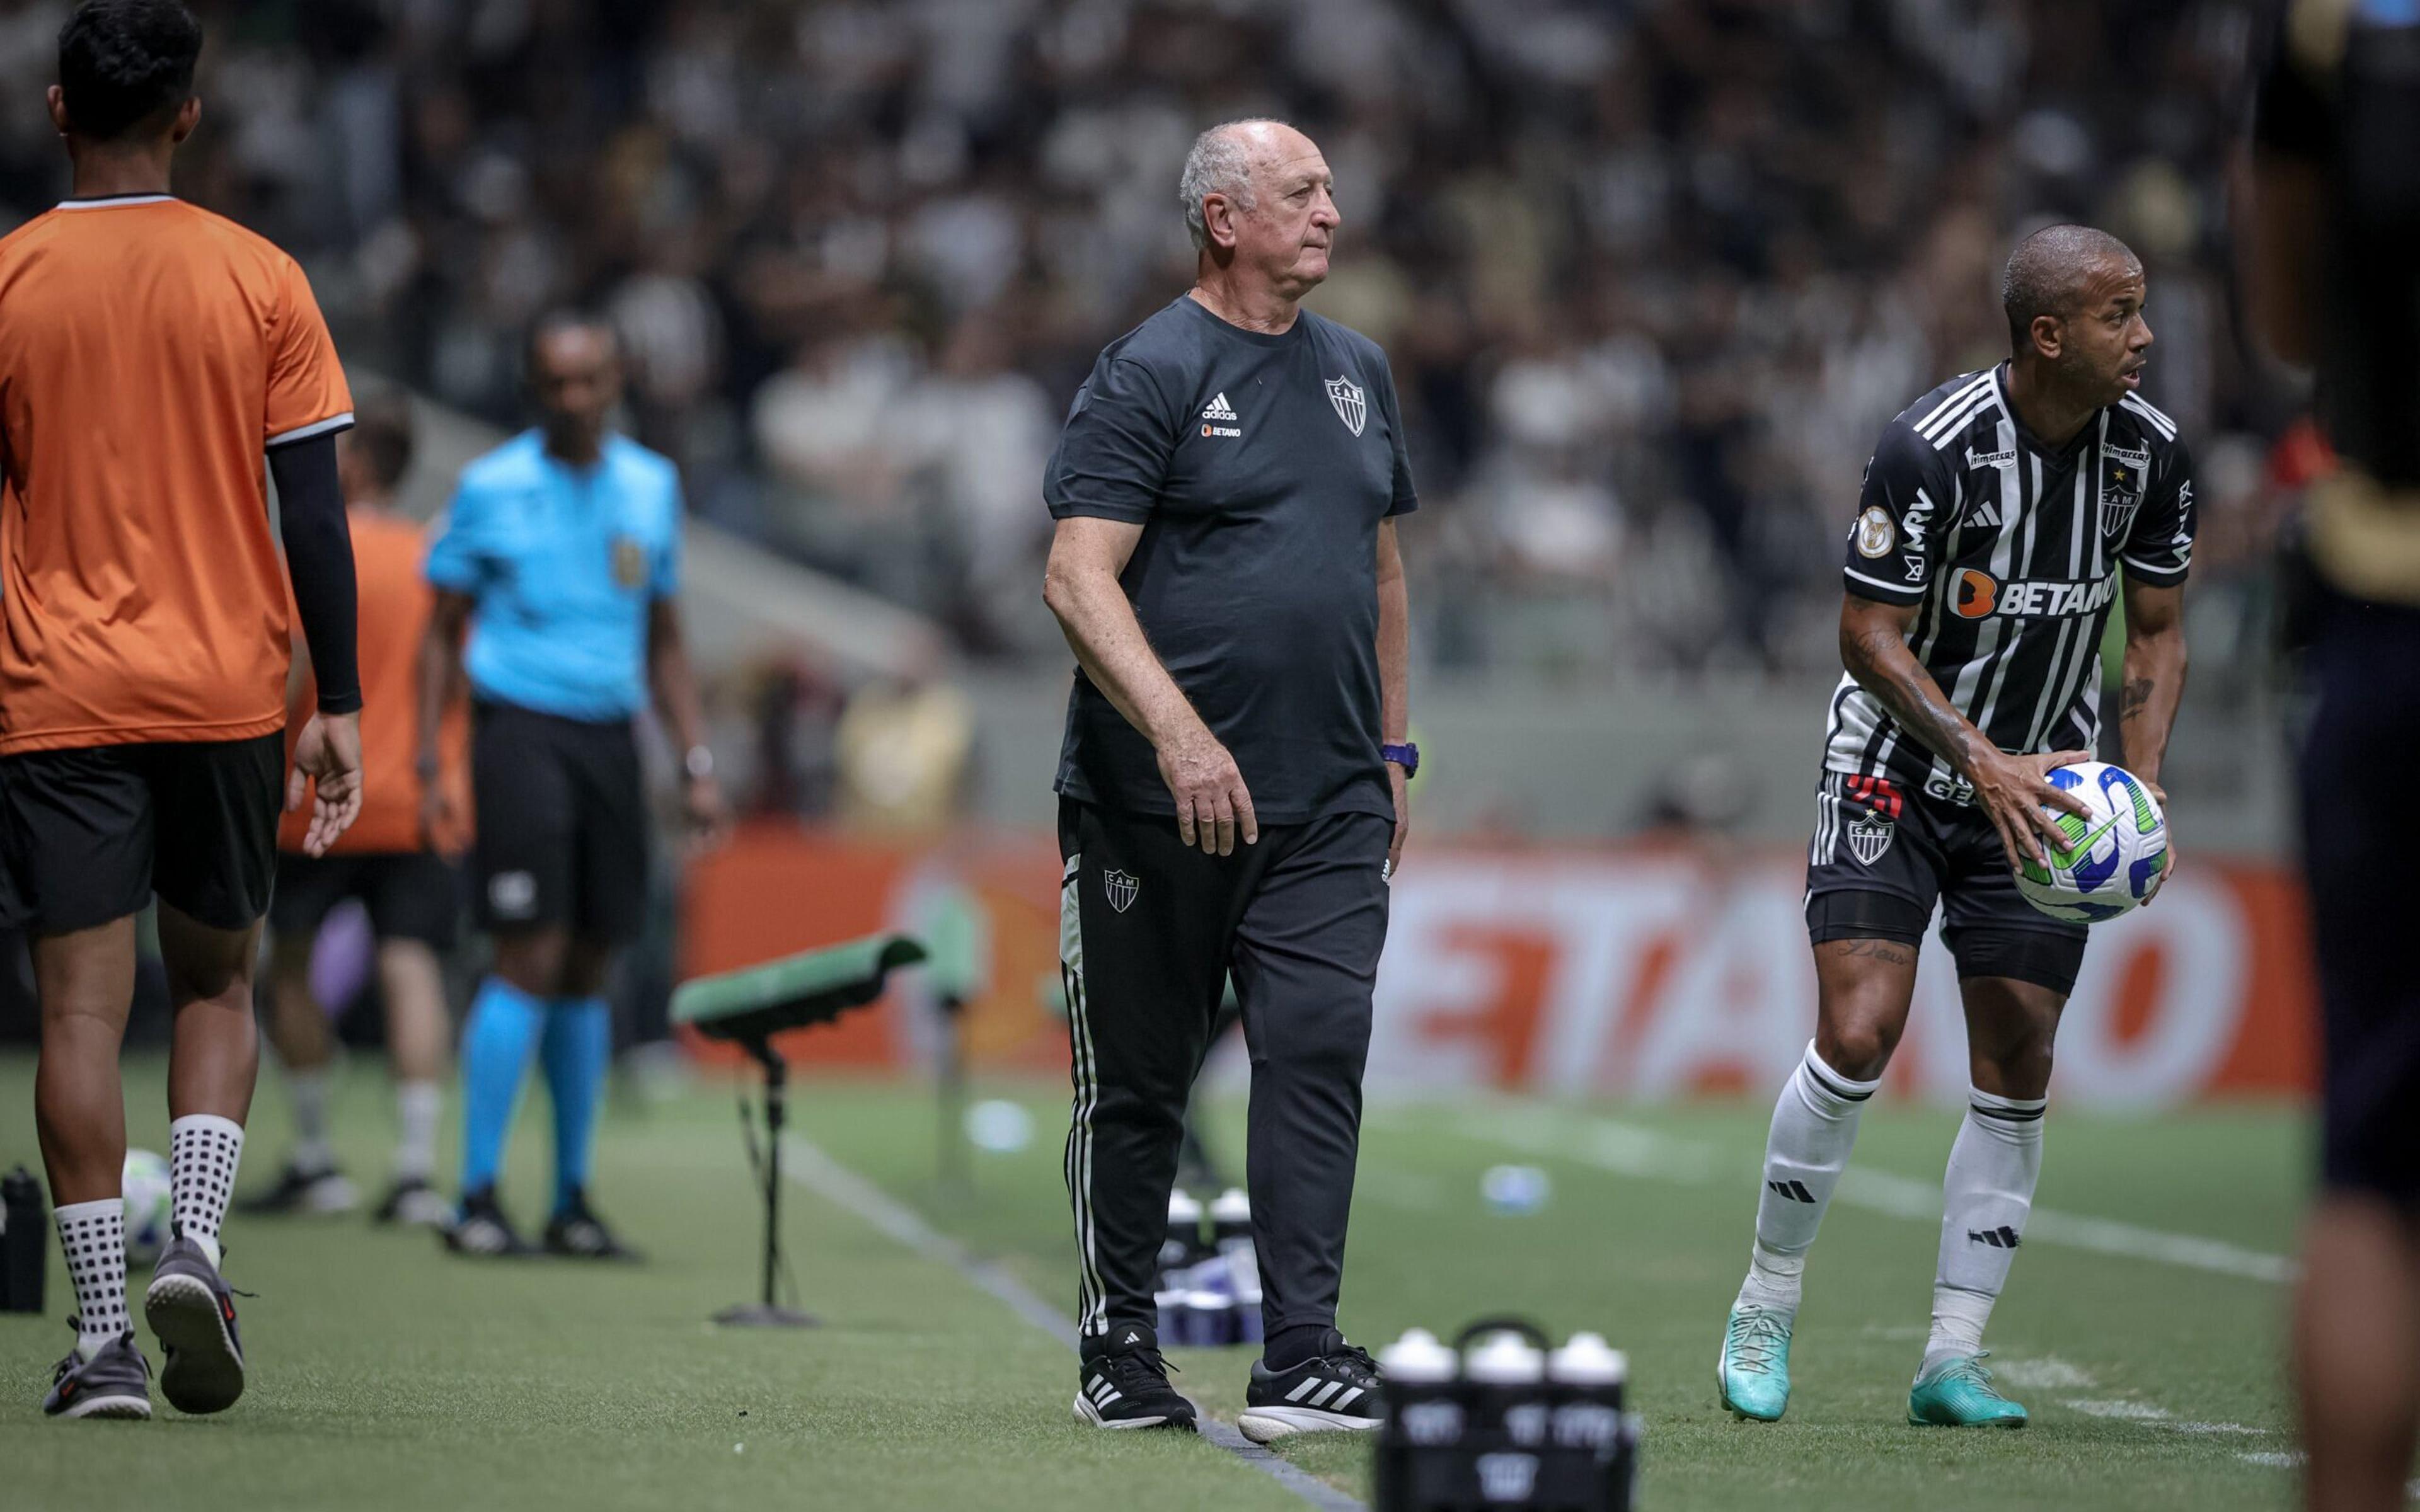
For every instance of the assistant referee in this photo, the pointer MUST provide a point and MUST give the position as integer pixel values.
(1232, 783)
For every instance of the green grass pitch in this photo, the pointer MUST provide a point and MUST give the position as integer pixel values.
(386, 1375)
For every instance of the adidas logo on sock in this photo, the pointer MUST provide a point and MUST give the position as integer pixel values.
(2003, 1237)
(1132, 1337)
(1217, 409)
(1795, 1191)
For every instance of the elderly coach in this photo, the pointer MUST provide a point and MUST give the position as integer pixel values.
(1232, 783)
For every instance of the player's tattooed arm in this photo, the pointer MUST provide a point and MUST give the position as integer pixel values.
(2014, 791)
(2154, 676)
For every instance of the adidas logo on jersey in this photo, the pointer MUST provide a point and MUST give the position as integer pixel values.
(1218, 409)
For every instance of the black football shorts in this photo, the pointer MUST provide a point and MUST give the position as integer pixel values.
(562, 822)
(410, 895)
(1883, 856)
(93, 832)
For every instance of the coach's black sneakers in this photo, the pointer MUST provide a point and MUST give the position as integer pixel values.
(114, 1382)
(300, 1189)
(480, 1228)
(1338, 1390)
(577, 1232)
(191, 1310)
(1125, 1386)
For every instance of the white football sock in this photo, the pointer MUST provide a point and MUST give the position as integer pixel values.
(93, 1236)
(1986, 1194)
(1814, 1128)
(417, 1107)
(203, 1151)
(309, 1091)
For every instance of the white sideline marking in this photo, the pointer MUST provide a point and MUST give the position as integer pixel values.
(2049, 1373)
(836, 1184)
(1632, 1150)
(2131, 1412)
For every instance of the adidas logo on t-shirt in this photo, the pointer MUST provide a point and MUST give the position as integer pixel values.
(1218, 409)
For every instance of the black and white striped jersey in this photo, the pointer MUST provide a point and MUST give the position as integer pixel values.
(2011, 552)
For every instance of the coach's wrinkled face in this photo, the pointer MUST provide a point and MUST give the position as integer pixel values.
(576, 376)
(2102, 342)
(1286, 229)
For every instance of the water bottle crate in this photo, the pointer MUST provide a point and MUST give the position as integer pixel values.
(1487, 1472)
(1497, 1420)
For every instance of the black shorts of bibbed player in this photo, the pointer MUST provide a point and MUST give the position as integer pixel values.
(1882, 858)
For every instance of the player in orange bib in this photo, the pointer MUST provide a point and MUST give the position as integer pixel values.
(400, 872)
(151, 354)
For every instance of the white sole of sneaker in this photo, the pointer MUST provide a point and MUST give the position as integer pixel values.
(202, 1371)
(330, 1194)
(1087, 1413)
(118, 1407)
(1263, 1424)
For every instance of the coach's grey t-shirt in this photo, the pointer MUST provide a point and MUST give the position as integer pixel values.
(1259, 467)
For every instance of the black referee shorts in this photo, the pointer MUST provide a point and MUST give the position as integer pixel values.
(92, 833)
(410, 895)
(2361, 825)
(1150, 930)
(562, 822)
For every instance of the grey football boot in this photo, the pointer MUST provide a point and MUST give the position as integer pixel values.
(191, 1310)
(114, 1382)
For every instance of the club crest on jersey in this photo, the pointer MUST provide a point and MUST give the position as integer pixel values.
(629, 562)
(1345, 395)
(2121, 494)
(1121, 888)
(1870, 835)
(1876, 533)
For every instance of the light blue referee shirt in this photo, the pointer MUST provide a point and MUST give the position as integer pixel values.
(561, 565)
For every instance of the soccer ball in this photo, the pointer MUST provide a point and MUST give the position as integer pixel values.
(145, 1190)
(2112, 861)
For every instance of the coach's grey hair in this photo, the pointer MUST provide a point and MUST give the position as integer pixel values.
(2047, 270)
(1219, 163)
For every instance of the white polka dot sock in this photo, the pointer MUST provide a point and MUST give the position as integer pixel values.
(203, 1149)
(93, 1235)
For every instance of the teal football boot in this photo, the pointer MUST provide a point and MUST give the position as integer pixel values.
(1753, 1371)
(1958, 1394)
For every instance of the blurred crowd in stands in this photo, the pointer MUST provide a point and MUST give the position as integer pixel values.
(1652, 274)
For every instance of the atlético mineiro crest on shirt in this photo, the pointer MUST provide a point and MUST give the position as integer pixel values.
(1121, 888)
(1345, 395)
(2121, 491)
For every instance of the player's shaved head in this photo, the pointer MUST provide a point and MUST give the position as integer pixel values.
(127, 63)
(2052, 271)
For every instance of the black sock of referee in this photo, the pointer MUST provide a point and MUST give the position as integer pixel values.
(1299, 1345)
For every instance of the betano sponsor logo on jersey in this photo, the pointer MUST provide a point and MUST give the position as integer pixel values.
(1981, 595)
